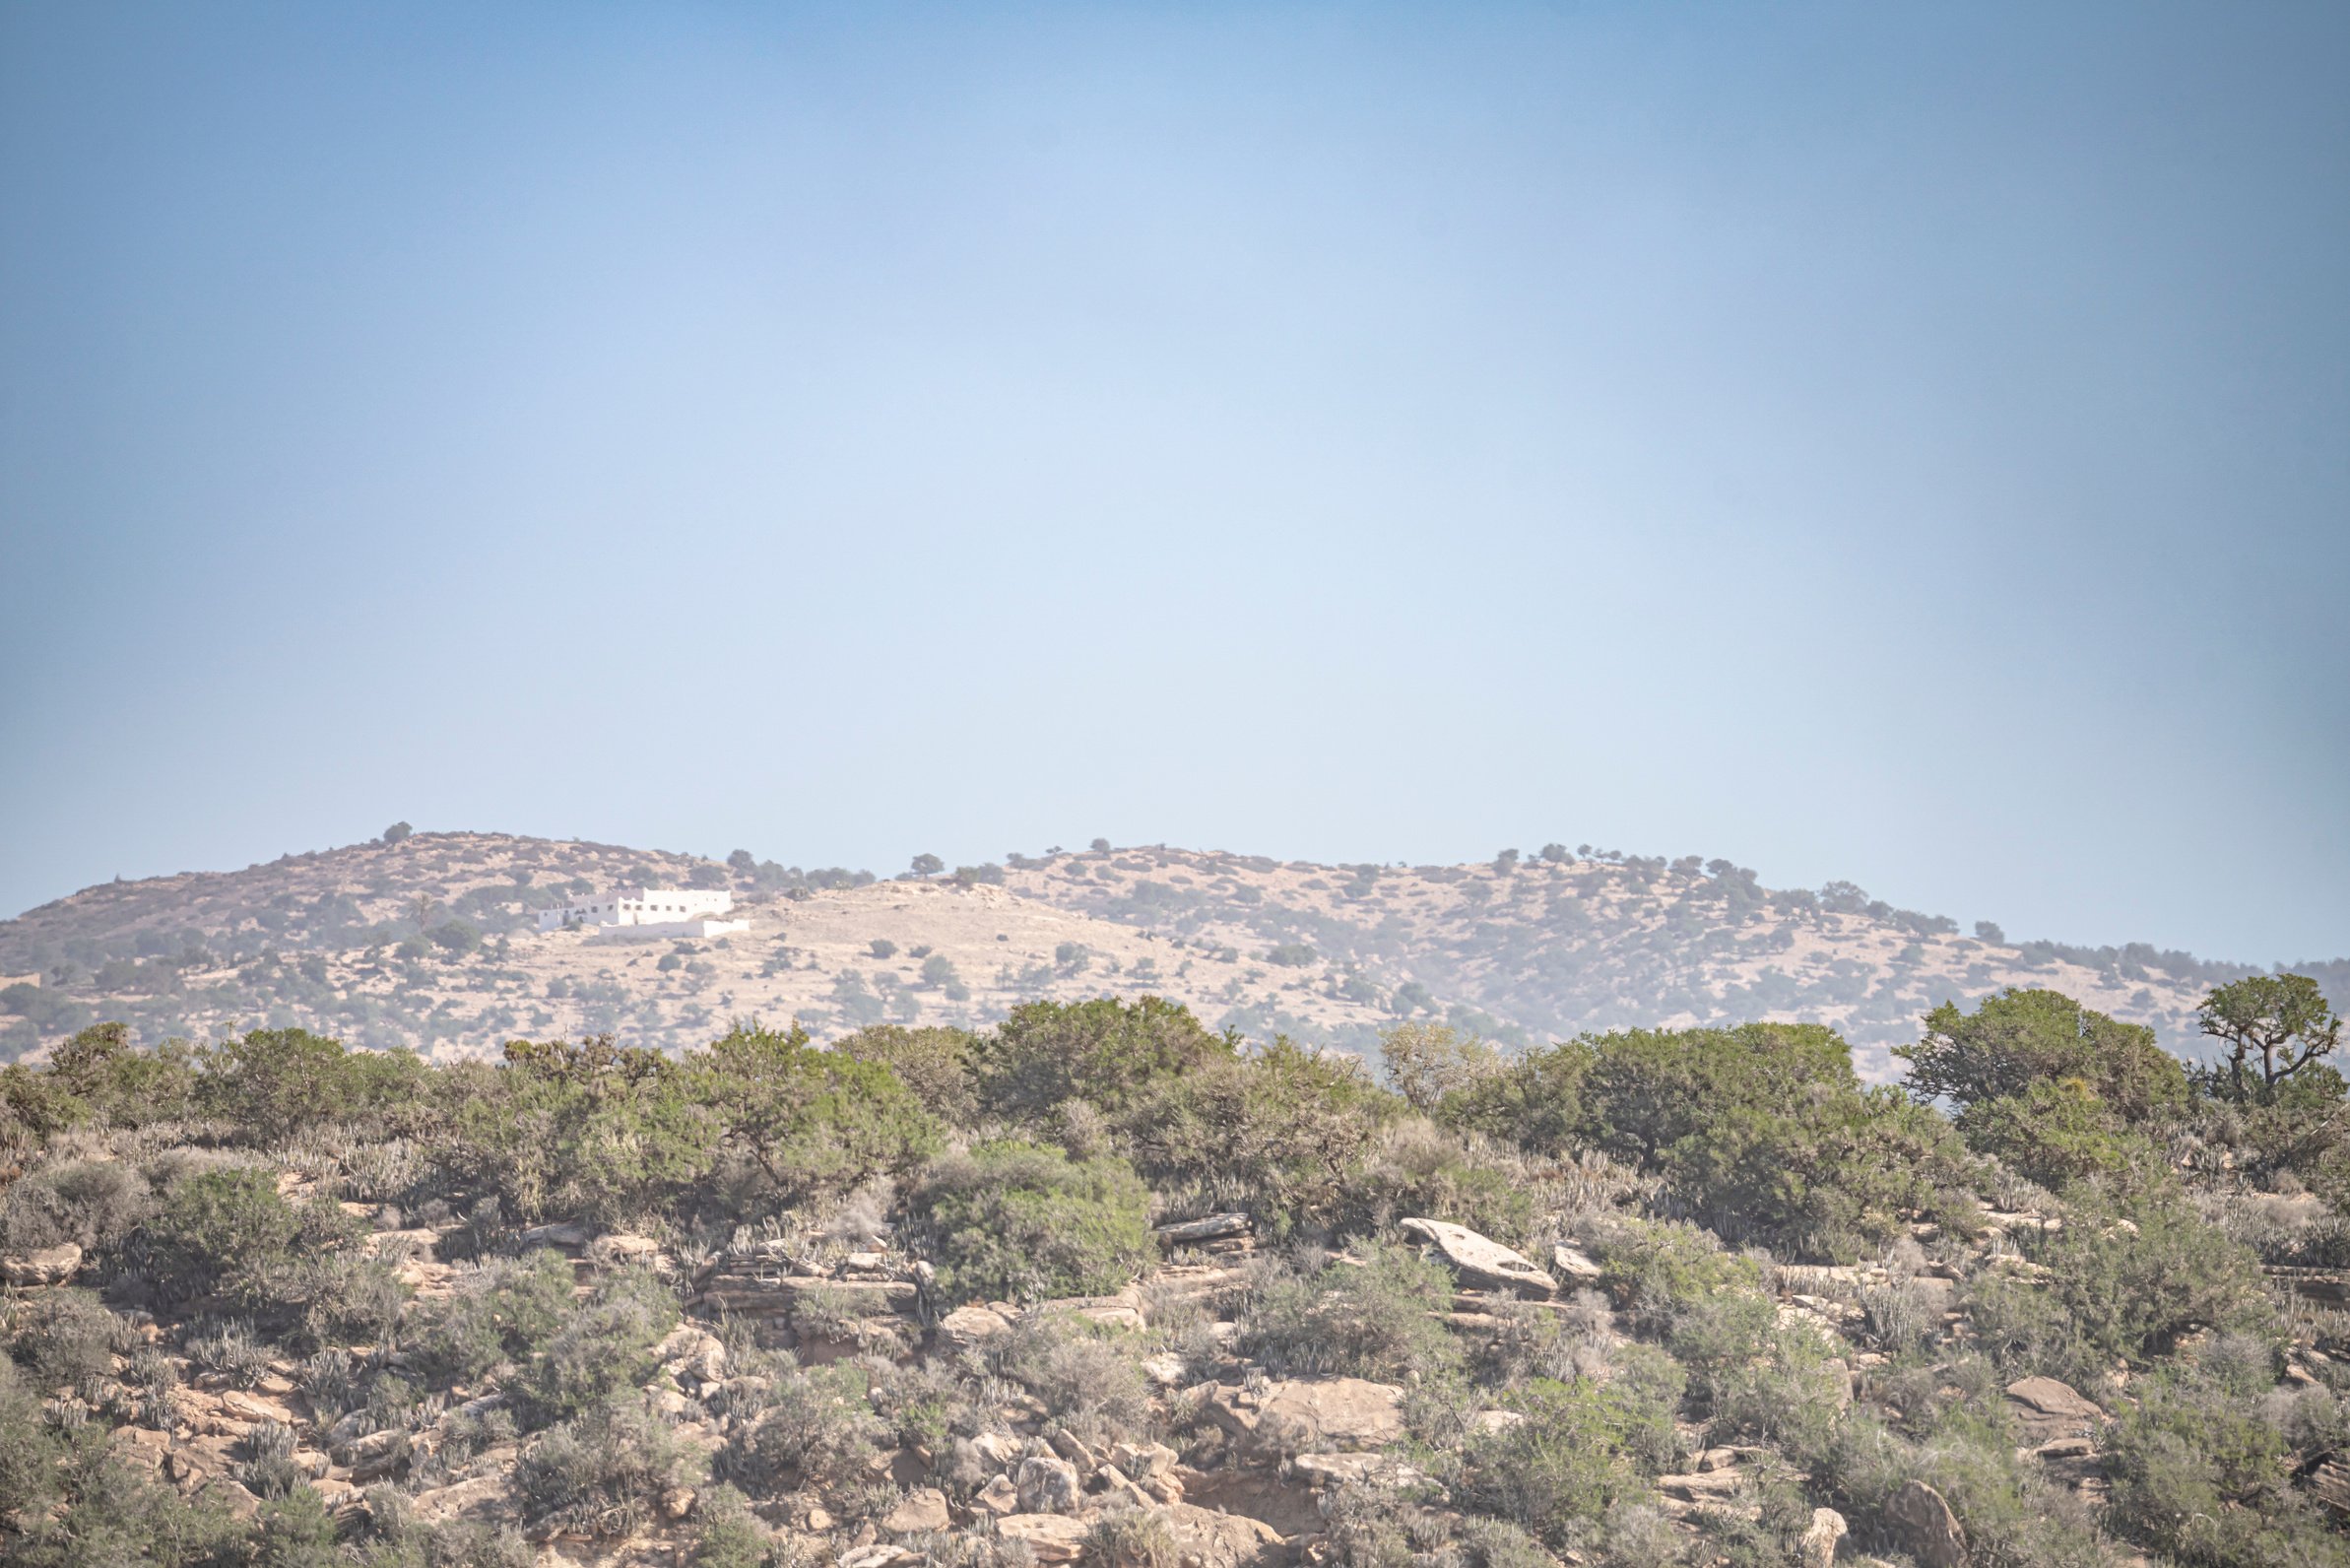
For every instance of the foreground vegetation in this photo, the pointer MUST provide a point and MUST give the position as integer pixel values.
(370, 1283)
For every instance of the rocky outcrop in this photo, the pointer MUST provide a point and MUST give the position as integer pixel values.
(1210, 1539)
(924, 1508)
(1049, 1538)
(43, 1265)
(1921, 1520)
(1309, 1414)
(1818, 1547)
(2050, 1411)
(1048, 1486)
(1482, 1262)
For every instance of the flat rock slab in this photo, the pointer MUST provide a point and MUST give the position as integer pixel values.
(1223, 1541)
(1049, 1538)
(1482, 1261)
(2048, 1410)
(1346, 1415)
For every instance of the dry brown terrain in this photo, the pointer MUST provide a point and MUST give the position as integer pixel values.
(1328, 954)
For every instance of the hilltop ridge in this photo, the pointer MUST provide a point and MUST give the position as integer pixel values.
(428, 940)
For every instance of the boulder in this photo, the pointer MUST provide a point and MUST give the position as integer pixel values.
(968, 1328)
(1049, 1538)
(43, 1265)
(999, 1449)
(1048, 1486)
(1142, 1461)
(999, 1497)
(1921, 1520)
(376, 1456)
(2048, 1410)
(1481, 1260)
(1309, 1414)
(1817, 1549)
(568, 1234)
(924, 1508)
(1210, 1539)
(1574, 1267)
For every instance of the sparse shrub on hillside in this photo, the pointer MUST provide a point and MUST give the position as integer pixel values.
(1019, 1221)
(1414, 1167)
(1562, 1466)
(813, 1427)
(2010, 1515)
(501, 1310)
(93, 1204)
(1084, 1374)
(603, 1472)
(1427, 1062)
(1373, 1313)
(604, 1347)
(63, 1337)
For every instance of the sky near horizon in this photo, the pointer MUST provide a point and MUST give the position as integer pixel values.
(1907, 445)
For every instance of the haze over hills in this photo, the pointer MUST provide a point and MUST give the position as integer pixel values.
(430, 942)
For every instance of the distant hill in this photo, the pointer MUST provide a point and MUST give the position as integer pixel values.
(430, 942)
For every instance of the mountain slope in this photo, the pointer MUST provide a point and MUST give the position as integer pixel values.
(430, 942)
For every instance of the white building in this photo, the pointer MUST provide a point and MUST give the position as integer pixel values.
(626, 912)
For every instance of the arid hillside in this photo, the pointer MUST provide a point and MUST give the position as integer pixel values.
(430, 942)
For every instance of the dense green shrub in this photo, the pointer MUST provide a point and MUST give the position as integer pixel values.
(1647, 1091)
(1829, 1175)
(2060, 1134)
(933, 1062)
(1564, 1464)
(1020, 1221)
(2020, 1039)
(1106, 1052)
(808, 1121)
(1280, 1132)
(592, 1130)
(1662, 1269)
(1533, 1100)
(275, 1083)
(2135, 1282)
(503, 1310)
(228, 1234)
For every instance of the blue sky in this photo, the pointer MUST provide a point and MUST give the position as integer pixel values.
(1901, 443)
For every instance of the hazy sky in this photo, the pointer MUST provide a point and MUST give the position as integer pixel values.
(1906, 443)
